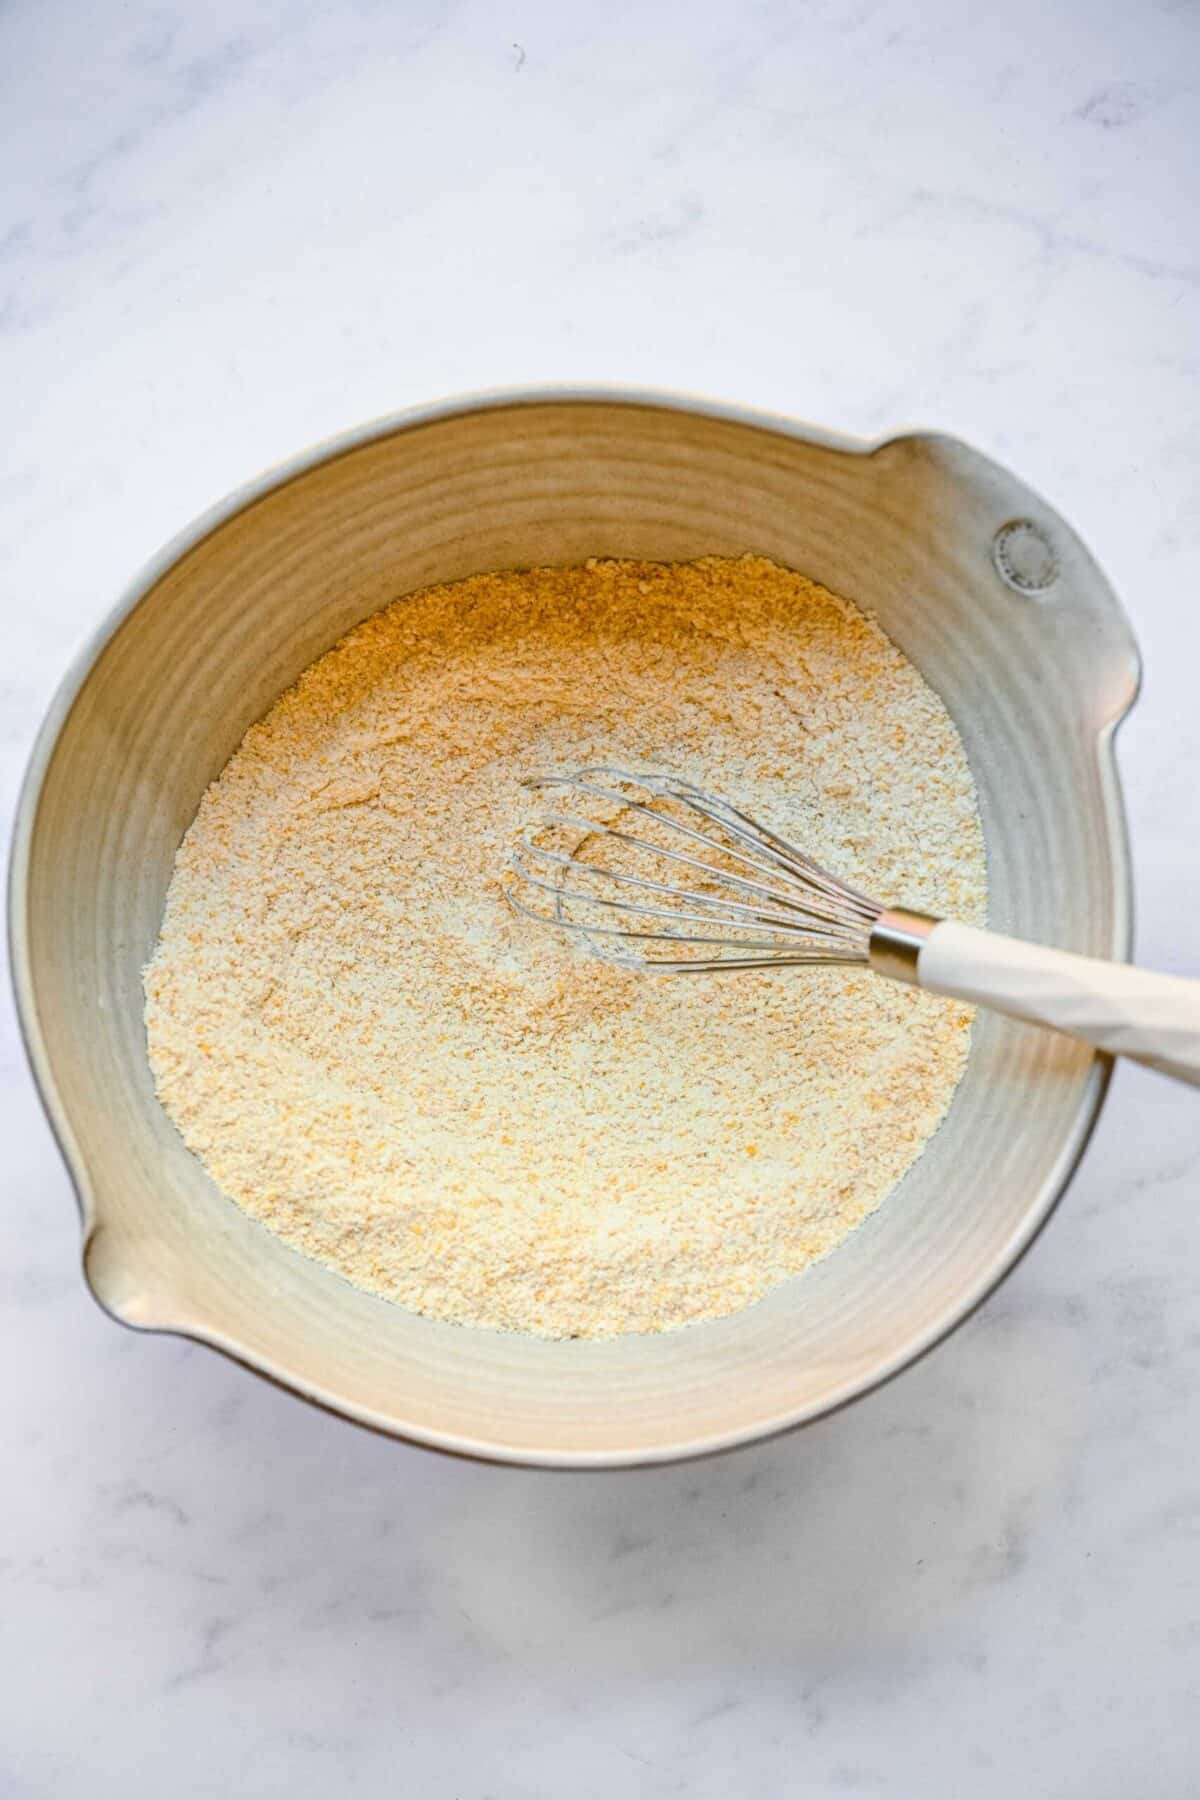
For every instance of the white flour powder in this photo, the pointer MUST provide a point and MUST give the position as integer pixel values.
(375, 1059)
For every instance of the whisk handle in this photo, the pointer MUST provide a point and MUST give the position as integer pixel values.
(1154, 1019)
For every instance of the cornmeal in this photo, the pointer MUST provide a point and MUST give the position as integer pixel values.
(376, 1059)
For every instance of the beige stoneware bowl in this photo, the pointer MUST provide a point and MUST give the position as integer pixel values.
(1020, 635)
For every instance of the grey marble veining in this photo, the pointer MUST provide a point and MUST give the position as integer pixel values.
(226, 231)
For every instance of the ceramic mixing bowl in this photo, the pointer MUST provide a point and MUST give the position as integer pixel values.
(973, 576)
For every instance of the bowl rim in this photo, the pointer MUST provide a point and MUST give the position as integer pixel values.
(1044, 1202)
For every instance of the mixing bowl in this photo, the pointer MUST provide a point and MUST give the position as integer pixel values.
(973, 576)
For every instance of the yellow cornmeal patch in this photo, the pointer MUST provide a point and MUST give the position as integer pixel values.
(376, 1059)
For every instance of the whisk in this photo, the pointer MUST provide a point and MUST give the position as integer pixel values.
(651, 872)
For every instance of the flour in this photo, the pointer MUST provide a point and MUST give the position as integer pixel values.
(373, 1057)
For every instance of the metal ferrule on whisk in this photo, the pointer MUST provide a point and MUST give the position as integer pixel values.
(896, 941)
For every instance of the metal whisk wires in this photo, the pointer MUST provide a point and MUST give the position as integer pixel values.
(653, 873)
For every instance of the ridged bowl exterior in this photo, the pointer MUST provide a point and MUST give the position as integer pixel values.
(230, 614)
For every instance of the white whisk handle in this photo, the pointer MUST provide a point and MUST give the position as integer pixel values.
(1154, 1019)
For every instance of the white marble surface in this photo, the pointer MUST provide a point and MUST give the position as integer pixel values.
(227, 230)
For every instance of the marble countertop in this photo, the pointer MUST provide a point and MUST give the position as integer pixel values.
(227, 231)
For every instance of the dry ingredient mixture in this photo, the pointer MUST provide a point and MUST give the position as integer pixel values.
(373, 1057)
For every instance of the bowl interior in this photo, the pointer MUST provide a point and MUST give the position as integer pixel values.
(232, 614)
